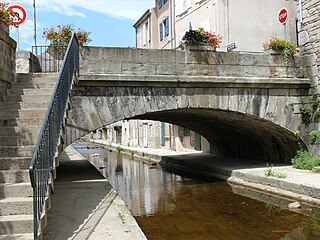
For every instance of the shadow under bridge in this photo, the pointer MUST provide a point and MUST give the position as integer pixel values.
(234, 134)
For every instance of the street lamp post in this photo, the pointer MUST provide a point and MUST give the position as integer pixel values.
(34, 24)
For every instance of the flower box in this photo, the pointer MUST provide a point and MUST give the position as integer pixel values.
(4, 28)
(57, 51)
(198, 47)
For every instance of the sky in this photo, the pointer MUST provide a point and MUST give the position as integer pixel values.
(109, 21)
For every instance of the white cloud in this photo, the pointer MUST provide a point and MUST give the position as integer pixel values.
(130, 9)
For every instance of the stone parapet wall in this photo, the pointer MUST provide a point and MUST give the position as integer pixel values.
(309, 36)
(98, 60)
(7, 60)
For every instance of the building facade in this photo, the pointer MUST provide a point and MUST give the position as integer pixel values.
(247, 23)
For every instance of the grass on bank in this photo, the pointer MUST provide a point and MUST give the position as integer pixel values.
(271, 173)
(305, 160)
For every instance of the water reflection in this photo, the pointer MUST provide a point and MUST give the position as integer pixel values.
(172, 206)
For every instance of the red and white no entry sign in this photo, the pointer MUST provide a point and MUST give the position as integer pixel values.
(283, 15)
(21, 14)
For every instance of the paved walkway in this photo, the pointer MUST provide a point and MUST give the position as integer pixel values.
(85, 207)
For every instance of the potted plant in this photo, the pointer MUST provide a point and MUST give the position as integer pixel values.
(200, 37)
(59, 38)
(280, 46)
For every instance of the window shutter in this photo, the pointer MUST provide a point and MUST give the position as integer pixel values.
(161, 32)
(160, 3)
(167, 26)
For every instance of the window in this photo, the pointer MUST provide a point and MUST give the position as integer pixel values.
(145, 33)
(186, 132)
(166, 25)
(139, 37)
(164, 28)
(182, 6)
(161, 31)
(160, 2)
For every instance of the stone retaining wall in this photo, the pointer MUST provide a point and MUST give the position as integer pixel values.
(7, 60)
(309, 37)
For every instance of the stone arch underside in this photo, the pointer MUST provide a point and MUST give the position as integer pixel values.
(233, 134)
(237, 122)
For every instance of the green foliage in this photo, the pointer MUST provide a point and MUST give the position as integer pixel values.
(314, 100)
(273, 209)
(271, 173)
(316, 115)
(306, 112)
(119, 149)
(305, 160)
(287, 48)
(6, 16)
(305, 109)
(121, 217)
(314, 136)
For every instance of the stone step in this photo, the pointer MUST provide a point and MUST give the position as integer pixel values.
(16, 206)
(21, 122)
(8, 114)
(26, 132)
(14, 176)
(29, 91)
(36, 78)
(18, 140)
(24, 105)
(16, 224)
(15, 190)
(27, 236)
(16, 151)
(21, 85)
(27, 98)
(14, 163)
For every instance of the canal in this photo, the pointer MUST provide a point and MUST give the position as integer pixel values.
(171, 205)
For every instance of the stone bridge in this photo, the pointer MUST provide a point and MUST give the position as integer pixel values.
(245, 104)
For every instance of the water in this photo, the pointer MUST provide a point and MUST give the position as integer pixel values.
(168, 205)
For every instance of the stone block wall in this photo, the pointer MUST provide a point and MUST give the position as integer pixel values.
(26, 62)
(7, 60)
(309, 37)
(309, 45)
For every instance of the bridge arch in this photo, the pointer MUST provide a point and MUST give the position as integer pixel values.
(254, 124)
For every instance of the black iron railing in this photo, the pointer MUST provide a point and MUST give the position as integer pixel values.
(41, 167)
(49, 58)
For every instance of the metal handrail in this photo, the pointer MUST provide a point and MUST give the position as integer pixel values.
(49, 58)
(41, 166)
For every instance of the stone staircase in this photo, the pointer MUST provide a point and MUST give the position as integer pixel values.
(22, 112)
